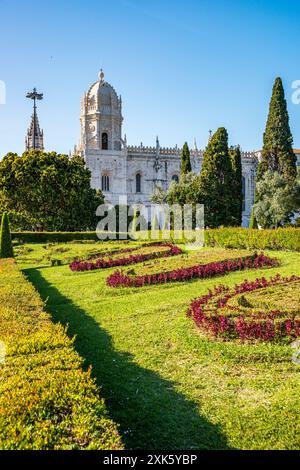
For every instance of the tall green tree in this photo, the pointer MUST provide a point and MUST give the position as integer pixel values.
(6, 248)
(253, 221)
(277, 153)
(279, 200)
(186, 191)
(186, 166)
(49, 190)
(236, 209)
(216, 180)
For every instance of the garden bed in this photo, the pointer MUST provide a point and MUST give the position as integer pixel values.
(186, 260)
(261, 309)
(136, 255)
(200, 271)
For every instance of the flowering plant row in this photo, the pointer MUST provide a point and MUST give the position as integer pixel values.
(199, 271)
(217, 314)
(122, 251)
(168, 249)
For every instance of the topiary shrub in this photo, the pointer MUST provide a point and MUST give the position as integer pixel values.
(6, 249)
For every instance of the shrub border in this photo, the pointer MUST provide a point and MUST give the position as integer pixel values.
(233, 237)
(47, 402)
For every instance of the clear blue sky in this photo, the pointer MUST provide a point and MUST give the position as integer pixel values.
(182, 67)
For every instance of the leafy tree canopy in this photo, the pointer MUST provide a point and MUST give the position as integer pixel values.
(48, 191)
(278, 201)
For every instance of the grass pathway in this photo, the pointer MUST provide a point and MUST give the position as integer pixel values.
(166, 385)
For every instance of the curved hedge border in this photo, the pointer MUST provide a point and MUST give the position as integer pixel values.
(201, 271)
(101, 263)
(213, 314)
(46, 400)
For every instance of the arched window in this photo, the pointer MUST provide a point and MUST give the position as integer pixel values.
(175, 178)
(138, 183)
(105, 183)
(104, 141)
(244, 192)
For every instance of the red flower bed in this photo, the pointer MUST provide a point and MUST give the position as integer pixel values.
(199, 271)
(102, 263)
(213, 314)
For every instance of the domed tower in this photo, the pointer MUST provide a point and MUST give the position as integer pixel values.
(101, 117)
(101, 141)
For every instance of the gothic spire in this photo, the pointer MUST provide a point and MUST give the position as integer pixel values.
(35, 135)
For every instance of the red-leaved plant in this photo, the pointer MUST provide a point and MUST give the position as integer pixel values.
(212, 313)
(104, 263)
(201, 271)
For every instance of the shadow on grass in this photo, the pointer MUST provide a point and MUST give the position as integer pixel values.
(151, 414)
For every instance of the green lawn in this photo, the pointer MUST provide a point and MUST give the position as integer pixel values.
(165, 384)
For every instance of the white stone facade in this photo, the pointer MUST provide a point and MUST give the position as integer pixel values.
(121, 170)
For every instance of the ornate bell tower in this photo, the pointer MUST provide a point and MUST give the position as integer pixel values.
(101, 142)
(101, 117)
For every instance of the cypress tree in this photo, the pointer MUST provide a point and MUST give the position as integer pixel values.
(277, 153)
(215, 180)
(6, 249)
(186, 166)
(253, 221)
(236, 185)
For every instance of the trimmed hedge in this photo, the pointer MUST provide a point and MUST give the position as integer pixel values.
(46, 400)
(55, 237)
(280, 239)
(240, 238)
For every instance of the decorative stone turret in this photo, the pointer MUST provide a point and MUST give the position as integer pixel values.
(101, 142)
(35, 135)
(101, 117)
